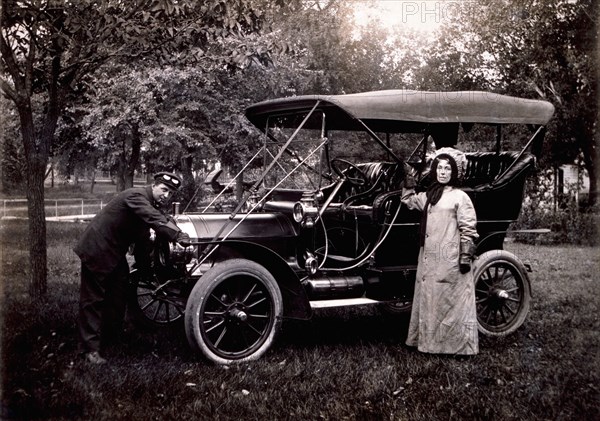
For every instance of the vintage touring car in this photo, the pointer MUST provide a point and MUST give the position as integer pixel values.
(322, 225)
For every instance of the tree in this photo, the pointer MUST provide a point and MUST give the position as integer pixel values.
(113, 120)
(49, 46)
(533, 48)
(191, 116)
(334, 54)
(185, 119)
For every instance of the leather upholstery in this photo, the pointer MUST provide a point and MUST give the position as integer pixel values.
(487, 170)
(507, 173)
(490, 179)
(381, 177)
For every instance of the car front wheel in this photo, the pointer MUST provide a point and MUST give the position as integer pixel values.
(233, 312)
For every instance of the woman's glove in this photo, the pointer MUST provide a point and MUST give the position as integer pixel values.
(410, 181)
(467, 250)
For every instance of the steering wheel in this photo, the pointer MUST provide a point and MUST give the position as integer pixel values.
(341, 167)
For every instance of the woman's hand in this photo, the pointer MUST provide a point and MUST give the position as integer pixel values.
(467, 250)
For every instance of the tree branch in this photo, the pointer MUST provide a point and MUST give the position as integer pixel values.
(8, 90)
(29, 64)
(11, 64)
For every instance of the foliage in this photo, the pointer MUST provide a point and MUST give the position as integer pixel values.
(569, 224)
(172, 78)
(12, 156)
(192, 116)
(338, 54)
(532, 49)
(341, 364)
(48, 48)
(183, 119)
(13, 165)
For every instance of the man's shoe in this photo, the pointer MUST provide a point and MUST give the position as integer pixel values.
(95, 358)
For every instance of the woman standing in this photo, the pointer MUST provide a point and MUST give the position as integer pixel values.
(444, 318)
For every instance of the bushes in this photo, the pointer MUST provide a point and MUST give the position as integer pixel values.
(569, 223)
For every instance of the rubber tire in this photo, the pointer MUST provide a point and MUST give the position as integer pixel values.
(396, 308)
(506, 260)
(141, 319)
(229, 271)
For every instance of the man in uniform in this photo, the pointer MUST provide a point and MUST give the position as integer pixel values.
(102, 248)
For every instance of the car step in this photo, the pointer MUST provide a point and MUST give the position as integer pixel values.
(342, 302)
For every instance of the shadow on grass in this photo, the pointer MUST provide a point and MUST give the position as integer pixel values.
(52, 381)
(343, 363)
(345, 326)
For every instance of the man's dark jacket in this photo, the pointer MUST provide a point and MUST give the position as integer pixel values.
(125, 220)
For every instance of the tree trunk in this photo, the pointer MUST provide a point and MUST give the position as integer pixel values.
(36, 153)
(93, 183)
(593, 192)
(128, 180)
(588, 141)
(134, 158)
(590, 160)
(239, 188)
(188, 188)
(128, 159)
(120, 175)
(37, 227)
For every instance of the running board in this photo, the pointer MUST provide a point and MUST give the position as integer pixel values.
(342, 302)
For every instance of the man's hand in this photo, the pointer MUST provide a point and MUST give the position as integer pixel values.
(144, 272)
(183, 238)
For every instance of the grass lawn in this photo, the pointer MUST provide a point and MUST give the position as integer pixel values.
(343, 364)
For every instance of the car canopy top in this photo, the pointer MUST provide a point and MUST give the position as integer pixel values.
(406, 110)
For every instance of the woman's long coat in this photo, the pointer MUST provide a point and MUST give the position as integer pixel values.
(443, 318)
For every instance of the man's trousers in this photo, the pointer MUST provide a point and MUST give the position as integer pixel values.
(102, 302)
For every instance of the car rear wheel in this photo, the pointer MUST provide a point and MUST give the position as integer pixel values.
(502, 292)
(233, 312)
(153, 303)
(394, 308)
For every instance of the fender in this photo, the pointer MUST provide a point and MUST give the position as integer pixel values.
(295, 301)
(490, 235)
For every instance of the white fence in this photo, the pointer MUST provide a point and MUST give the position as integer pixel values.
(17, 208)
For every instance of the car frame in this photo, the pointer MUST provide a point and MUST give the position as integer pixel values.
(283, 252)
